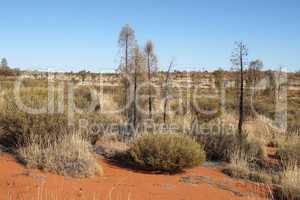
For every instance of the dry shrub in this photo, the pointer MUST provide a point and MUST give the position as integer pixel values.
(166, 152)
(220, 146)
(217, 146)
(19, 125)
(289, 154)
(261, 177)
(205, 109)
(110, 146)
(290, 183)
(70, 155)
(239, 167)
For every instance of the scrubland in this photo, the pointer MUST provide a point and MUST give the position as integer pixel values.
(66, 141)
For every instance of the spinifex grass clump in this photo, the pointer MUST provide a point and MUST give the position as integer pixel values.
(70, 154)
(166, 152)
(289, 154)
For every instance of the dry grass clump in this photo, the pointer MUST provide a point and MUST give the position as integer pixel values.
(110, 146)
(70, 155)
(261, 177)
(289, 154)
(289, 184)
(239, 167)
(166, 152)
(219, 147)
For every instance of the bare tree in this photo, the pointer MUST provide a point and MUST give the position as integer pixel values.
(151, 67)
(166, 92)
(126, 43)
(238, 60)
(138, 72)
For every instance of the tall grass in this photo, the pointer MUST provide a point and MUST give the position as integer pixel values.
(291, 182)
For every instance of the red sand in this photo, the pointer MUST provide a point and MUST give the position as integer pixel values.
(17, 182)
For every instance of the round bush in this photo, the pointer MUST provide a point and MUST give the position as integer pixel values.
(166, 152)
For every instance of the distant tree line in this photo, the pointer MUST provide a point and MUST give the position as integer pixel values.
(5, 70)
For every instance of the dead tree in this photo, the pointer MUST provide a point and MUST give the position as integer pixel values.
(138, 76)
(126, 43)
(151, 67)
(238, 60)
(166, 92)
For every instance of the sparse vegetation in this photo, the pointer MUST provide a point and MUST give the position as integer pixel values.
(291, 182)
(289, 154)
(69, 155)
(166, 152)
(161, 128)
(20, 125)
(221, 146)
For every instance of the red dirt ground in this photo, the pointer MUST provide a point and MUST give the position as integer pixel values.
(17, 182)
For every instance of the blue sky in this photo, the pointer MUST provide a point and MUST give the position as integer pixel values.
(75, 34)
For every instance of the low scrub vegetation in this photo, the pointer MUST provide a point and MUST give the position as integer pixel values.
(45, 141)
(69, 155)
(239, 167)
(20, 125)
(289, 186)
(289, 154)
(166, 152)
(219, 147)
(291, 182)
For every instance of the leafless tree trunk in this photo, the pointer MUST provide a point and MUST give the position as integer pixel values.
(126, 72)
(126, 43)
(135, 98)
(238, 59)
(151, 66)
(149, 88)
(241, 116)
(138, 75)
(167, 92)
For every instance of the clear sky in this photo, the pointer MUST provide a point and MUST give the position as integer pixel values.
(82, 34)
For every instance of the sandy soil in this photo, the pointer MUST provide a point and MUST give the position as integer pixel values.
(17, 182)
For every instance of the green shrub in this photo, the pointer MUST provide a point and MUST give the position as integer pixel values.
(166, 152)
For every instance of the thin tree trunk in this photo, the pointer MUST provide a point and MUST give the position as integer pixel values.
(167, 93)
(126, 72)
(241, 107)
(134, 99)
(149, 88)
(165, 110)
